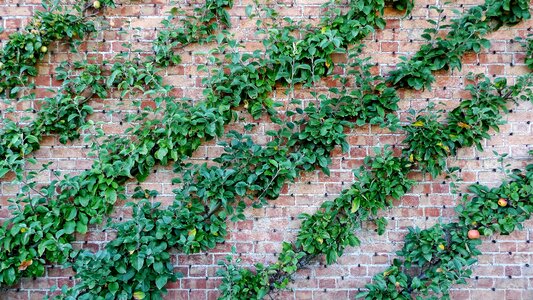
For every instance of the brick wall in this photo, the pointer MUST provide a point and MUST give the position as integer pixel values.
(504, 271)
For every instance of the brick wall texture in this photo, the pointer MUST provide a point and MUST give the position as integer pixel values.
(504, 271)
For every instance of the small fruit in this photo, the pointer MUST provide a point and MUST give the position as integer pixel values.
(439, 270)
(139, 295)
(418, 124)
(441, 247)
(35, 31)
(473, 234)
(502, 202)
(43, 49)
(1, 65)
(25, 264)
(96, 4)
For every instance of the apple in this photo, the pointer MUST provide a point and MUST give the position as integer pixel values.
(441, 247)
(473, 234)
(44, 49)
(1, 65)
(96, 4)
(502, 202)
(25, 264)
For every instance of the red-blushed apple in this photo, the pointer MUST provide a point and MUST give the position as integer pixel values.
(473, 234)
(502, 202)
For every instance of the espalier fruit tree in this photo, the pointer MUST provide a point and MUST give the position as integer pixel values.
(136, 264)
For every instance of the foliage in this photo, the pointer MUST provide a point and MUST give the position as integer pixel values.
(241, 283)
(428, 144)
(433, 259)
(508, 12)
(383, 178)
(528, 44)
(66, 112)
(40, 230)
(138, 255)
(372, 100)
(406, 5)
(431, 142)
(76, 201)
(210, 195)
(183, 127)
(23, 50)
(137, 263)
(198, 28)
(329, 231)
(473, 118)
(464, 34)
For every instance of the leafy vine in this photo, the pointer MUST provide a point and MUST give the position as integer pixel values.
(137, 263)
(211, 195)
(433, 259)
(383, 178)
(23, 50)
(464, 34)
(74, 202)
(66, 112)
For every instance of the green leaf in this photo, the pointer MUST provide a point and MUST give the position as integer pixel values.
(71, 214)
(138, 263)
(240, 188)
(111, 195)
(69, 227)
(81, 227)
(158, 267)
(161, 282)
(113, 287)
(248, 10)
(355, 204)
(161, 153)
(3, 172)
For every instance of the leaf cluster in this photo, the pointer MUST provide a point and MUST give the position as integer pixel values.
(430, 141)
(24, 49)
(464, 34)
(434, 259)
